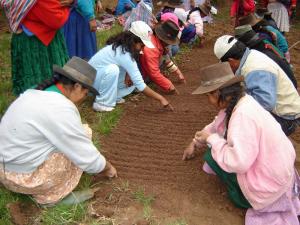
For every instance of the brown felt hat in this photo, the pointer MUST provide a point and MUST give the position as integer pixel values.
(78, 70)
(205, 8)
(171, 3)
(167, 32)
(249, 19)
(216, 76)
(260, 12)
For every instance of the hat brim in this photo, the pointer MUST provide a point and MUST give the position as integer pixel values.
(204, 10)
(172, 5)
(206, 89)
(160, 34)
(61, 71)
(148, 43)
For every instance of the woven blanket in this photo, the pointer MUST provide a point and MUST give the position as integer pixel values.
(15, 11)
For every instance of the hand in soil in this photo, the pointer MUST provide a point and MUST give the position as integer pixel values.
(189, 152)
(168, 107)
(109, 170)
(201, 136)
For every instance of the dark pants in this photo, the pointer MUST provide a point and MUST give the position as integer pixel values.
(229, 179)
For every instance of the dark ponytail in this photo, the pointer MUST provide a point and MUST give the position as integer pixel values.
(236, 92)
(54, 80)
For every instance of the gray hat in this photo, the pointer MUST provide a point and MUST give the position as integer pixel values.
(78, 70)
(239, 31)
(216, 76)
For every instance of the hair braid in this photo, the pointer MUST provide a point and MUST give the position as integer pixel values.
(47, 83)
(235, 91)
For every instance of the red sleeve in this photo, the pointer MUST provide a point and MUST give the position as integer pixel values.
(150, 66)
(249, 6)
(234, 8)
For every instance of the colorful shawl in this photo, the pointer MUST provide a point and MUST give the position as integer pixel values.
(15, 11)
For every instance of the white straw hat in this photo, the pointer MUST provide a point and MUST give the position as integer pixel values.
(223, 44)
(143, 31)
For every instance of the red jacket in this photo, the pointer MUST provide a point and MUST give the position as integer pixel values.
(45, 18)
(150, 60)
(247, 8)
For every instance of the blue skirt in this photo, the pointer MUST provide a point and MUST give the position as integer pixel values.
(80, 40)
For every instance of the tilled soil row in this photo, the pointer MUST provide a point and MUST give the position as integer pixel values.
(147, 146)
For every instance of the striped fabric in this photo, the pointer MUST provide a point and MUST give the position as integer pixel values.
(15, 11)
(141, 12)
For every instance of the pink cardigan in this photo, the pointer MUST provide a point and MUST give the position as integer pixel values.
(256, 150)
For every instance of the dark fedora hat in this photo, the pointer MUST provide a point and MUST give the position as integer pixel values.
(167, 32)
(249, 19)
(78, 70)
(261, 12)
(205, 8)
(171, 3)
(216, 76)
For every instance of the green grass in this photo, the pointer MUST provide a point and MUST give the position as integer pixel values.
(102, 123)
(64, 215)
(6, 96)
(178, 222)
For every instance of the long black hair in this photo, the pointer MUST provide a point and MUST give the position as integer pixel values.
(54, 80)
(236, 92)
(127, 41)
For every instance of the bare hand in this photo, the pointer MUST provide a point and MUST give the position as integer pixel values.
(98, 6)
(66, 3)
(189, 152)
(128, 82)
(173, 90)
(201, 136)
(166, 104)
(109, 170)
(93, 25)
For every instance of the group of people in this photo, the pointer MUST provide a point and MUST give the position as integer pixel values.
(45, 148)
(280, 11)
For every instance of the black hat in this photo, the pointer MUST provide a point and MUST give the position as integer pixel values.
(171, 3)
(78, 70)
(167, 32)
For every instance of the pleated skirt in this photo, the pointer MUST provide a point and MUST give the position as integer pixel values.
(32, 61)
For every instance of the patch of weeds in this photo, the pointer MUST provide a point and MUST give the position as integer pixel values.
(178, 222)
(6, 96)
(124, 187)
(7, 197)
(140, 196)
(64, 214)
(108, 120)
(102, 36)
(85, 182)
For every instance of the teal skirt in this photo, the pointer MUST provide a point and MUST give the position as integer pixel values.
(234, 191)
(32, 61)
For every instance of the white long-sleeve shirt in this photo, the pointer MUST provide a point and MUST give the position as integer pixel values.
(39, 123)
(195, 18)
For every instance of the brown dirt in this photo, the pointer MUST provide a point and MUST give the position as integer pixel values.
(23, 213)
(147, 145)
